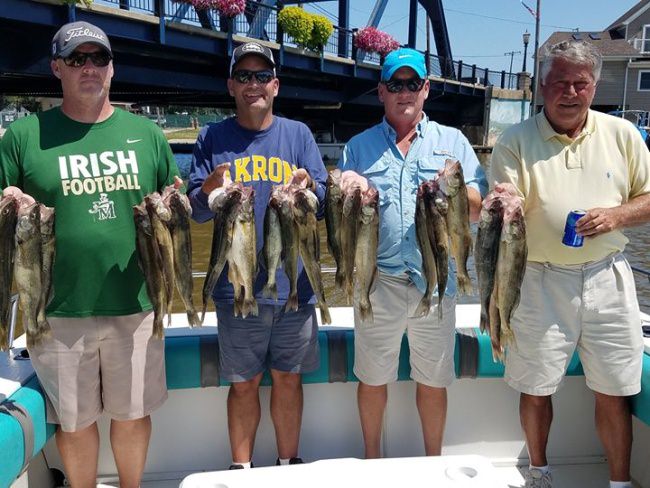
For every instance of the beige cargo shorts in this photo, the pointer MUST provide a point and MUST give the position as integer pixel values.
(97, 364)
(591, 307)
(431, 340)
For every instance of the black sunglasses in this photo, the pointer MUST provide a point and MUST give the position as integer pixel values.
(245, 76)
(77, 59)
(412, 84)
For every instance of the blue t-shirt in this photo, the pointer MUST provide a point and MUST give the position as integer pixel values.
(262, 160)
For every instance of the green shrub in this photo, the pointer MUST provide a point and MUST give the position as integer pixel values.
(307, 30)
(321, 32)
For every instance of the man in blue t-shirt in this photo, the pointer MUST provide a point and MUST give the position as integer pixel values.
(260, 150)
(396, 156)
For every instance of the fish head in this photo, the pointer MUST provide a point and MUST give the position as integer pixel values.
(29, 220)
(179, 203)
(514, 223)
(304, 202)
(47, 219)
(450, 178)
(8, 205)
(156, 205)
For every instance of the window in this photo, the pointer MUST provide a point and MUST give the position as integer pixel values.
(645, 43)
(644, 81)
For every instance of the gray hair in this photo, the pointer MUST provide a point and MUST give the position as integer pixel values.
(576, 52)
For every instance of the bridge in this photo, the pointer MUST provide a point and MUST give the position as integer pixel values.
(168, 53)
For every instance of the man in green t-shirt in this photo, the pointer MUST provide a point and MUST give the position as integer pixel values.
(92, 163)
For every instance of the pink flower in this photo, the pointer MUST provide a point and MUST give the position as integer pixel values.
(372, 39)
(229, 8)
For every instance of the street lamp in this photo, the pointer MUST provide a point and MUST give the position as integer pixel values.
(526, 39)
(511, 54)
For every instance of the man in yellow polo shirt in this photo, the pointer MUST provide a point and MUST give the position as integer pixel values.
(570, 157)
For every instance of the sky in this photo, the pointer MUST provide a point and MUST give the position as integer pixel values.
(482, 31)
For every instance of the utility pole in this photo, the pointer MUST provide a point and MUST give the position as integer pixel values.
(538, 15)
(512, 55)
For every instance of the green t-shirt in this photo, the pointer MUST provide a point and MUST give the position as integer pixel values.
(92, 174)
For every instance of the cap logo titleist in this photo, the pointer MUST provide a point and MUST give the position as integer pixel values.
(82, 32)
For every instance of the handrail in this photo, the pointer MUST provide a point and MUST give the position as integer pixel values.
(13, 318)
(642, 271)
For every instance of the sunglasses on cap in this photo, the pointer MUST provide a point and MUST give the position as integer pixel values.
(245, 76)
(77, 59)
(412, 84)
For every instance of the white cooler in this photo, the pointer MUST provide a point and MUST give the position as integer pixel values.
(413, 472)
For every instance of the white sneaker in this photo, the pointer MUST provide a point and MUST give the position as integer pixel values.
(537, 479)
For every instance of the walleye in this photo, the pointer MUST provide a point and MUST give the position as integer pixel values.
(48, 253)
(365, 260)
(8, 219)
(179, 227)
(349, 228)
(242, 255)
(333, 219)
(159, 215)
(221, 201)
(282, 202)
(272, 250)
(511, 266)
(486, 252)
(452, 183)
(438, 218)
(27, 270)
(150, 261)
(305, 205)
(426, 250)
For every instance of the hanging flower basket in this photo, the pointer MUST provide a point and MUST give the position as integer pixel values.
(87, 3)
(371, 39)
(310, 31)
(229, 8)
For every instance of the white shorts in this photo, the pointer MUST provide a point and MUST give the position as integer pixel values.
(592, 307)
(431, 341)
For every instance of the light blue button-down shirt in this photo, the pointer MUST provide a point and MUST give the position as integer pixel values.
(374, 154)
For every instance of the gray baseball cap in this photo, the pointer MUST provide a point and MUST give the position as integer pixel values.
(74, 34)
(249, 49)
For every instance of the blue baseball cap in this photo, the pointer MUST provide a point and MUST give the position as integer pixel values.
(403, 57)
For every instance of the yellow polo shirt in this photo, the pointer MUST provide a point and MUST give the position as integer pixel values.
(605, 166)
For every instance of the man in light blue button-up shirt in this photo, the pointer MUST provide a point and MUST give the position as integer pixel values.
(396, 156)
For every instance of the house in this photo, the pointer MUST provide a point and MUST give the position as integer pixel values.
(625, 47)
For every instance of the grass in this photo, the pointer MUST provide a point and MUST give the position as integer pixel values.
(188, 134)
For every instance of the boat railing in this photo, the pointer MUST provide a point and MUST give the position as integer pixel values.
(641, 271)
(13, 318)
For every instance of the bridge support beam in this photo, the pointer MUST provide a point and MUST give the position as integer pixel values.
(413, 24)
(344, 24)
(436, 12)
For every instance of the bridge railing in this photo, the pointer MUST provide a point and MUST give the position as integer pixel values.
(265, 26)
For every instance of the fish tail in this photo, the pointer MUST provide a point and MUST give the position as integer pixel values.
(249, 307)
(464, 284)
(485, 322)
(365, 311)
(157, 331)
(339, 280)
(423, 307)
(292, 303)
(270, 290)
(193, 318)
(324, 313)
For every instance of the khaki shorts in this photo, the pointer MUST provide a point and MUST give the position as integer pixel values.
(95, 364)
(431, 342)
(591, 307)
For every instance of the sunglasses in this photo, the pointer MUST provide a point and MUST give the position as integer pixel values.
(77, 59)
(412, 84)
(245, 76)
